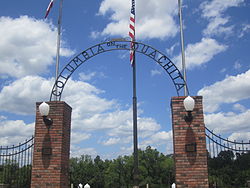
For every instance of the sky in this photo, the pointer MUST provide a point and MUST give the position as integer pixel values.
(216, 39)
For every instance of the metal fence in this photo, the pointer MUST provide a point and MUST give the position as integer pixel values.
(216, 144)
(16, 164)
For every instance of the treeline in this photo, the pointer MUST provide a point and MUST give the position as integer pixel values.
(156, 169)
(13, 175)
(229, 170)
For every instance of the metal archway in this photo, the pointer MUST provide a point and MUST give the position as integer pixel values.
(120, 44)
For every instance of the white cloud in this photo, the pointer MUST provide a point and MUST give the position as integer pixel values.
(228, 122)
(160, 138)
(77, 137)
(76, 151)
(21, 95)
(230, 90)
(215, 7)
(154, 19)
(111, 141)
(213, 11)
(215, 27)
(126, 150)
(147, 126)
(28, 46)
(239, 107)
(155, 72)
(200, 53)
(170, 50)
(240, 136)
(90, 111)
(9, 134)
(86, 76)
(237, 65)
(223, 70)
(244, 30)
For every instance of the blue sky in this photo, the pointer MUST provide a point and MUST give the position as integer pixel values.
(217, 38)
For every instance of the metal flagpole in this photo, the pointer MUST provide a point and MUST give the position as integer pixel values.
(136, 160)
(58, 43)
(132, 60)
(182, 49)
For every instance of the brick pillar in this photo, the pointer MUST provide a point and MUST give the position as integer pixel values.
(51, 148)
(189, 145)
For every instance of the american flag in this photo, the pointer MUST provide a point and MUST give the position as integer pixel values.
(49, 7)
(132, 32)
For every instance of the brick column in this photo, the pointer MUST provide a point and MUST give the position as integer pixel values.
(51, 148)
(189, 145)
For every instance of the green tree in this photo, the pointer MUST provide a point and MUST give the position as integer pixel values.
(81, 169)
(155, 168)
(99, 168)
(14, 175)
(228, 170)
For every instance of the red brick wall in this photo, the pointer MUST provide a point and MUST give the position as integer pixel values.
(190, 166)
(51, 148)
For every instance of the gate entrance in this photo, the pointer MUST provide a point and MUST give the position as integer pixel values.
(52, 141)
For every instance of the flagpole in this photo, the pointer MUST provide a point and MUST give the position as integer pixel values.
(182, 49)
(58, 43)
(132, 61)
(135, 135)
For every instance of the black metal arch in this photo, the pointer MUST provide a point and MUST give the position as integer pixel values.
(120, 44)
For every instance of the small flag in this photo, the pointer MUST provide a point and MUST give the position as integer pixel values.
(132, 32)
(49, 7)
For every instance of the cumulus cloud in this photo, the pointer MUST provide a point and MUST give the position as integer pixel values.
(76, 151)
(215, 7)
(160, 138)
(215, 27)
(90, 112)
(228, 122)
(9, 134)
(28, 46)
(242, 136)
(213, 11)
(245, 28)
(77, 137)
(230, 90)
(239, 107)
(111, 141)
(154, 19)
(155, 72)
(21, 95)
(199, 53)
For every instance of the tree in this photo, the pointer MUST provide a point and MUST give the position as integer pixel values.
(155, 168)
(81, 169)
(228, 170)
